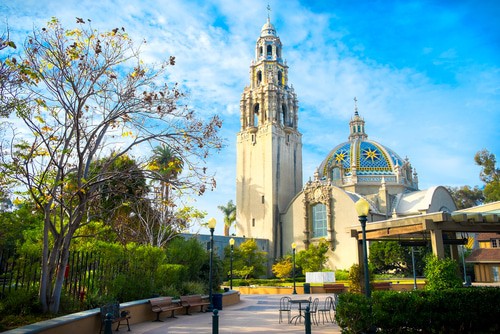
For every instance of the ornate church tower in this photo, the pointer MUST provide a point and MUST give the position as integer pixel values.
(269, 145)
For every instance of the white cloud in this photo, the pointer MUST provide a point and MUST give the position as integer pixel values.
(437, 104)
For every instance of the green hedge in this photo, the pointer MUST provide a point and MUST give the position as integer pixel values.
(459, 310)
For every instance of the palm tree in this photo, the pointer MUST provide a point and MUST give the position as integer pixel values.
(169, 166)
(229, 216)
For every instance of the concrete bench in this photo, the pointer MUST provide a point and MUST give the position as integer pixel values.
(164, 304)
(333, 288)
(193, 301)
(116, 315)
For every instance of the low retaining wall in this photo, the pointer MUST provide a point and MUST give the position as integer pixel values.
(86, 322)
(273, 290)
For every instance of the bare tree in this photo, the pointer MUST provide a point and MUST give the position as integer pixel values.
(93, 95)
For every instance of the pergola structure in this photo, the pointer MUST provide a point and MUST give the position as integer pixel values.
(440, 228)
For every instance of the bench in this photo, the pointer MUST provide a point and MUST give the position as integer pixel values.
(193, 301)
(382, 285)
(116, 315)
(164, 304)
(333, 288)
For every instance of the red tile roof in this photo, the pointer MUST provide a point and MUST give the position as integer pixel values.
(484, 255)
(487, 236)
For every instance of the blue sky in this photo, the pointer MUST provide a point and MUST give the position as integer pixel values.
(426, 73)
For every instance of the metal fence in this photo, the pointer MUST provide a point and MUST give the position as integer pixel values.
(85, 272)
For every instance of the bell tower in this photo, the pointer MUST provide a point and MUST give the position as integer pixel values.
(269, 145)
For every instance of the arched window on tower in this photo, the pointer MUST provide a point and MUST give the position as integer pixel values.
(280, 78)
(269, 50)
(259, 78)
(278, 52)
(283, 115)
(256, 115)
(319, 221)
(336, 176)
(261, 51)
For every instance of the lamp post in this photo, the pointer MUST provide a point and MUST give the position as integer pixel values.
(211, 225)
(362, 208)
(294, 245)
(231, 243)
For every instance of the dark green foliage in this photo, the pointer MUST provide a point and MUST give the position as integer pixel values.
(313, 258)
(21, 228)
(391, 257)
(353, 313)
(459, 310)
(21, 302)
(190, 253)
(442, 273)
(196, 260)
(248, 260)
(357, 278)
(466, 197)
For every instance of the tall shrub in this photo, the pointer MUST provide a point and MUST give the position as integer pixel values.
(441, 273)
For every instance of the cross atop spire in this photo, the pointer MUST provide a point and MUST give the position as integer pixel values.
(268, 12)
(356, 107)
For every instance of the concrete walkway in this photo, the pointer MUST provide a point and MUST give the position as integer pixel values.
(254, 314)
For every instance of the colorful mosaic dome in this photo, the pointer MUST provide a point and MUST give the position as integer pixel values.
(366, 159)
(369, 157)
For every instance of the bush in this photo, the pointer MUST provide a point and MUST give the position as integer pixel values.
(353, 313)
(341, 275)
(21, 303)
(459, 310)
(441, 273)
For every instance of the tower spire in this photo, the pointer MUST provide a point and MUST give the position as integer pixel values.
(268, 13)
(357, 125)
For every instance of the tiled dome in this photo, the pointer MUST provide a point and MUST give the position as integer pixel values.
(268, 29)
(369, 157)
(363, 161)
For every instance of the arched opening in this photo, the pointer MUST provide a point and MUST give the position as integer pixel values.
(278, 52)
(256, 115)
(319, 222)
(283, 115)
(269, 50)
(261, 51)
(259, 78)
(280, 78)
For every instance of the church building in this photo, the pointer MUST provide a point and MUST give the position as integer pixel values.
(273, 203)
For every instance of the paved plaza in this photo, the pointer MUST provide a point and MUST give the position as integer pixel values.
(254, 314)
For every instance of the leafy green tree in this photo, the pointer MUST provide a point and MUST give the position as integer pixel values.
(466, 197)
(387, 256)
(392, 257)
(314, 258)
(490, 175)
(248, 260)
(21, 229)
(125, 185)
(91, 88)
(441, 273)
(283, 268)
(229, 211)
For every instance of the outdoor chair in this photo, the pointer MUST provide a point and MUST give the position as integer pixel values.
(313, 311)
(285, 306)
(326, 309)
